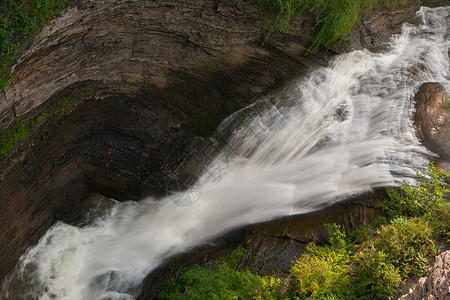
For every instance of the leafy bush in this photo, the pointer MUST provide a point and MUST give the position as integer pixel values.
(374, 275)
(366, 232)
(398, 250)
(407, 243)
(222, 281)
(425, 199)
(321, 274)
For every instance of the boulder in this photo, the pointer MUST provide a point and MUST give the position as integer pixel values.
(432, 118)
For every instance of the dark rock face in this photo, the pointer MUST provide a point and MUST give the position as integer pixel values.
(432, 118)
(148, 81)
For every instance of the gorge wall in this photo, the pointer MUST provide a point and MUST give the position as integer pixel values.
(144, 84)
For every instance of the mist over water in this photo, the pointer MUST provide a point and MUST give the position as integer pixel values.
(341, 131)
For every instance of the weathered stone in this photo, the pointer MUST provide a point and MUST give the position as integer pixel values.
(435, 285)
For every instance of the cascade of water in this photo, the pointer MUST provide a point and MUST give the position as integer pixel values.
(343, 130)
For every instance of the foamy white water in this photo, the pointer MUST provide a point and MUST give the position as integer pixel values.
(343, 130)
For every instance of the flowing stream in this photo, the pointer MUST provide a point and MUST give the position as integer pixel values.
(340, 131)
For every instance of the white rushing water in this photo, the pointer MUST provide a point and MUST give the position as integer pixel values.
(342, 130)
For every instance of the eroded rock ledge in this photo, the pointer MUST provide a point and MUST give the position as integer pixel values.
(148, 81)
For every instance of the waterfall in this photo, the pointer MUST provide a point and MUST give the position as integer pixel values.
(343, 130)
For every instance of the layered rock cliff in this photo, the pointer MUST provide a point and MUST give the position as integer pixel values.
(143, 84)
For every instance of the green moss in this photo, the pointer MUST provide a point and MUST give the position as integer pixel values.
(21, 131)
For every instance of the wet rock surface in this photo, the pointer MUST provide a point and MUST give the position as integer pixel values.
(147, 83)
(374, 31)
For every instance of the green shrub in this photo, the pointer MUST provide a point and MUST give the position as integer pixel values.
(398, 249)
(374, 275)
(222, 281)
(388, 255)
(366, 232)
(407, 243)
(425, 199)
(323, 273)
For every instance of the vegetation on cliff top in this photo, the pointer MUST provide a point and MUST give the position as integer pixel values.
(18, 20)
(335, 18)
(369, 263)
